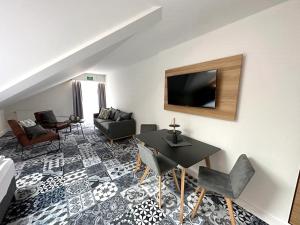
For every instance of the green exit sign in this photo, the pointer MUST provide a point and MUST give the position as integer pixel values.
(89, 78)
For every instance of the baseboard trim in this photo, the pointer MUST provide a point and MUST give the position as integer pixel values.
(260, 213)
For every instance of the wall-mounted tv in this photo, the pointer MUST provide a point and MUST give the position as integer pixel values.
(193, 89)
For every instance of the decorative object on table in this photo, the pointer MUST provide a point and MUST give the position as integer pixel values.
(175, 132)
(74, 119)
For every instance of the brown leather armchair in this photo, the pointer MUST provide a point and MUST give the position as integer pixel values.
(48, 120)
(25, 142)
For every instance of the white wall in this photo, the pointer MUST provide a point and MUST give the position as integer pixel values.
(3, 126)
(267, 128)
(59, 99)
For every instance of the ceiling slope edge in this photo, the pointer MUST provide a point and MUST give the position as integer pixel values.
(69, 64)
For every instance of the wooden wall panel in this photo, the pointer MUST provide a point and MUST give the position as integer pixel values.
(228, 80)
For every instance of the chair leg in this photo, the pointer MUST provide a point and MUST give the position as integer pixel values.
(138, 163)
(175, 179)
(230, 210)
(159, 192)
(198, 203)
(145, 174)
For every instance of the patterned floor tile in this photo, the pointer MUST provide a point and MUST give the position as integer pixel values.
(72, 159)
(126, 181)
(29, 180)
(91, 161)
(125, 219)
(28, 192)
(91, 216)
(51, 182)
(98, 178)
(117, 172)
(53, 161)
(105, 191)
(147, 213)
(113, 207)
(80, 202)
(70, 167)
(74, 176)
(134, 195)
(55, 214)
(77, 187)
(109, 164)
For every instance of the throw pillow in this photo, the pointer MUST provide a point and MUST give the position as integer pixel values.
(117, 114)
(27, 123)
(104, 114)
(125, 116)
(35, 131)
(112, 113)
(48, 117)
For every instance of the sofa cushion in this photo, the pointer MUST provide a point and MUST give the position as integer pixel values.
(106, 125)
(97, 120)
(104, 114)
(34, 131)
(117, 114)
(124, 116)
(112, 113)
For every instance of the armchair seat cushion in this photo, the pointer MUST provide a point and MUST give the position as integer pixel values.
(97, 120)
(215, 181)
(34, 131)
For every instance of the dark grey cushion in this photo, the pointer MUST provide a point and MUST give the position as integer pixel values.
(117, 114)
(97, 120)
(35, 131)
(48, 117)
(125, 116)
(112, 113)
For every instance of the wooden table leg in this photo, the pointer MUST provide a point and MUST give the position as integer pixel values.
(207, 162)
(182, 195)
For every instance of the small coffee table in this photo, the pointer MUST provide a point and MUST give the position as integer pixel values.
(78, 124)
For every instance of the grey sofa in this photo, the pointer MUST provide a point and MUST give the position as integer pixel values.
(113, 129)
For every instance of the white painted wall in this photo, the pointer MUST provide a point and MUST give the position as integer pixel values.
(267, 128)
(3, 126)
(59, 99)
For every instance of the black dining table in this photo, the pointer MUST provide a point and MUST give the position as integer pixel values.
(185, 156)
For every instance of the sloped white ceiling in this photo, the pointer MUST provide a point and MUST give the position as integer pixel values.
(43, 43)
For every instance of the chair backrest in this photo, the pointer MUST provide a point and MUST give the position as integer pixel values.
(45, 117)
(240, 175)
(19, 132)
(148, 158)
(148, 128)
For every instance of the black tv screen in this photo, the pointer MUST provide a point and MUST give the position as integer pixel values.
(193, 89)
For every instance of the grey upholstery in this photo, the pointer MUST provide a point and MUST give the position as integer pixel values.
(148, 128)
(230, 185)
(115, 129)
(159, 164)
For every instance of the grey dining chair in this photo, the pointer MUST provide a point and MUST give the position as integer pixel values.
(159, 164)
(144, 129)
(229, 185)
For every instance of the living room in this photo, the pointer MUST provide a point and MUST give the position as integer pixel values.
(132, 56)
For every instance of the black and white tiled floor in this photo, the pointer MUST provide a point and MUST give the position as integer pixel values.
(92, 182)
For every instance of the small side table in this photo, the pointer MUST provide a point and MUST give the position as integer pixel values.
(77, 124)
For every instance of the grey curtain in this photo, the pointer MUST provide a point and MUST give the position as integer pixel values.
(101, 95)
(77, 99)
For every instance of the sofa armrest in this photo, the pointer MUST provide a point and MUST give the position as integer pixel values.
(95, 115)
(123, 128)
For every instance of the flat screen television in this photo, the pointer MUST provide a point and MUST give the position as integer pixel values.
(193, 89)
